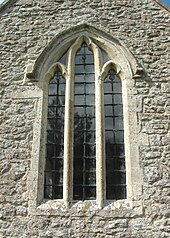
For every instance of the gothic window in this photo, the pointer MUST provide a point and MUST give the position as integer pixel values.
(85, 157)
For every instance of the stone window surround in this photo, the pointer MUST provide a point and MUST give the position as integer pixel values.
(126, 70)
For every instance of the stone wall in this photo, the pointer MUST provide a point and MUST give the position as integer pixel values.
(27, 26)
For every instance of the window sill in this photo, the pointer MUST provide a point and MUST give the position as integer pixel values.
(120, 208)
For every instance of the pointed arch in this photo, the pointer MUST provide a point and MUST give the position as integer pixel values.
(115, 49)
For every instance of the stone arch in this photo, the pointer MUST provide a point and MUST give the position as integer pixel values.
(116, 50)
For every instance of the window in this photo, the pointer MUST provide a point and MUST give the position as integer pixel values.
(85, 158)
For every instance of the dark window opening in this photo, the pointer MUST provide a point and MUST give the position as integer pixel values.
(53, 181)
(84, 180)
(114, 135)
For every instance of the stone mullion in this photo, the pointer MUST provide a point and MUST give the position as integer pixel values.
(68, 133)
(100, 136)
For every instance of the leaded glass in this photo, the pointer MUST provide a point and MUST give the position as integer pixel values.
(114, 134)
(53, 182)
(84, 182)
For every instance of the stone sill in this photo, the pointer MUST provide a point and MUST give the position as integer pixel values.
(89, 208)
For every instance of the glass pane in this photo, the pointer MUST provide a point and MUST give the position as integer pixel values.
(90, 88)
(79, 88)
(90, 137)
(118, 110)
(108, 99)
(109, 135)
(89, 150)
(90, 100)
(58, 192)
(79, 78)
(109, 123)
(79, 100)
(89, 77)
(90, 192)
(119, 123)
(77, 193)
(78, 151)
(108, 110)
(108, 87)
(117, 88)
(78, 177)
(52, 112)
(117, 99)
(109, 150)
(79, 69)
(52, 89)
(79, 111)
(90, 163)
(90, 178)
(119, 137)
(89, 69)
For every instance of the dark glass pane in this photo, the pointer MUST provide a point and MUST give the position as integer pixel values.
(78, 151)
(90, 192)
(90, 150)
(120, 150)
(55, 138)
(114, 134)
(90, 178)
(110, 150)
(78, 177)
(57, 192)
(78, 193)
(52, 112)
(51, 137)
(84, 124)
(59, 151)
(90, 137)
(78, 164)
(109, 136)
(121, 192)
(90, 163)
(52, 100)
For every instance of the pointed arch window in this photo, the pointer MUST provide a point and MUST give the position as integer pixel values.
(85, 138)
